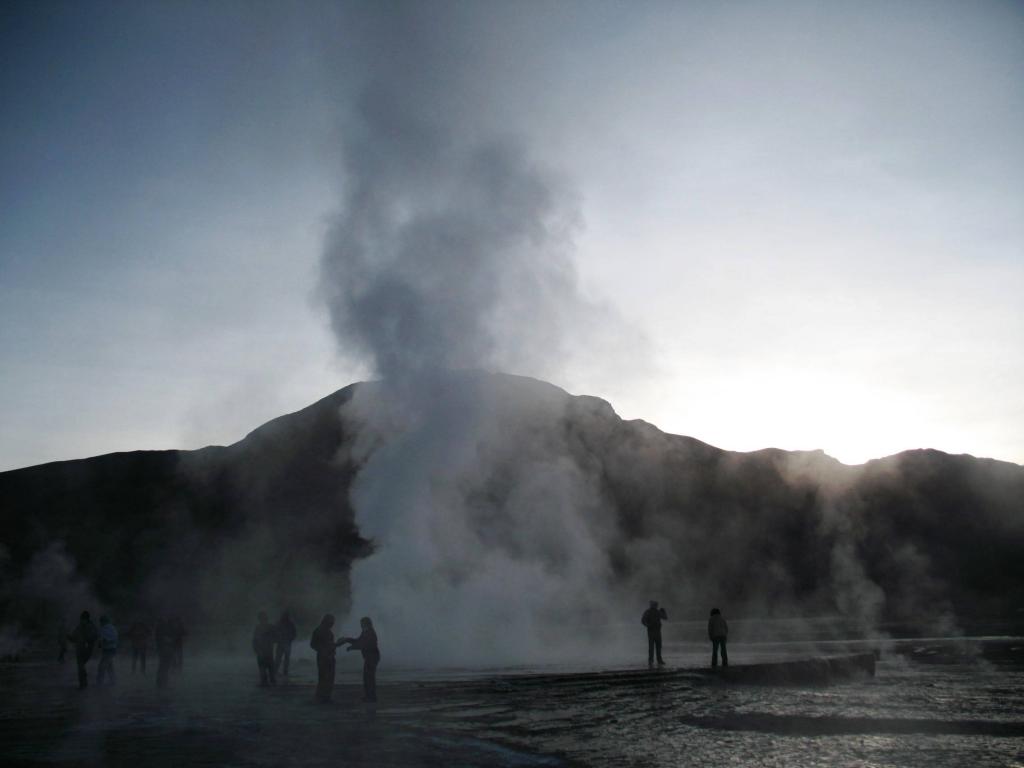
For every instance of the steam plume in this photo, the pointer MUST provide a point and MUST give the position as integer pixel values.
(453, 251)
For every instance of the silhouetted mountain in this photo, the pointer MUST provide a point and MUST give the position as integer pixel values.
(226, 529)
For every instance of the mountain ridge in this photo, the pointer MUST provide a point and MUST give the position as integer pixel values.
(257, 521)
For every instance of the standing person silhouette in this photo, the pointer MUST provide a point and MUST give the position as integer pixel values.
(718, 632)
(84, 637)
(324, 644)
(652, 619)
(367, 643)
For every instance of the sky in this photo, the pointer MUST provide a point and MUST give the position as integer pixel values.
(806, 219)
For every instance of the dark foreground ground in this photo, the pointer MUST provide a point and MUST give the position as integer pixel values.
(929, 704)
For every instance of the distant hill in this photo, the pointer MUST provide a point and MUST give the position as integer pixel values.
(916, 538)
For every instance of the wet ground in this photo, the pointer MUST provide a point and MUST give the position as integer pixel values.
(929, 704)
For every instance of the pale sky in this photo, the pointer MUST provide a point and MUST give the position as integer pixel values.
(812, 213)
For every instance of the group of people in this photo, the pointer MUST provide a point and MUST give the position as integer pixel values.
(272, 643)
(324, 644)
(86, 637)
(718, 633)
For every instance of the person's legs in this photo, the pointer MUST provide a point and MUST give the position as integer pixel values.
(725, 653)
(83, 676)
(370, 679)
(269, 662)
(325, 679)
(650, 648)
(714, 653)
(106, 668)
(657, 647)
(287, 658)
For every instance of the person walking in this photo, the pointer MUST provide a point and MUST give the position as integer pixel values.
(108, 649)
(263, 646)
(652, 619)
(84, 638)
(718, 633)
(324, 644)
(285, 638)
(367, 643)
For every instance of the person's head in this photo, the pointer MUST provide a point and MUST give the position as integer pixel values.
(84, 616)
(261, 617)
(715, 612)
(104, 620)
(327, 620)
(365, 623)
(654, 603)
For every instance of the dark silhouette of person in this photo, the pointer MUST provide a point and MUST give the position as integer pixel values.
(84, 637)
(108, 649)
(138, 634)
(322, 641)
(263, 646)
(178, 638)
(718, 632)
(164, 651)
(652, 619)
(285, 638)
(367, 643)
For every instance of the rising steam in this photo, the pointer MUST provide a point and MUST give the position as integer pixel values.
(453, 252)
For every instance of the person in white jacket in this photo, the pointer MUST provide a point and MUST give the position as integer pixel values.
(108, 649)
(718, 632)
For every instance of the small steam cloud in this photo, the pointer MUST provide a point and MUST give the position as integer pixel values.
(53, 593)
